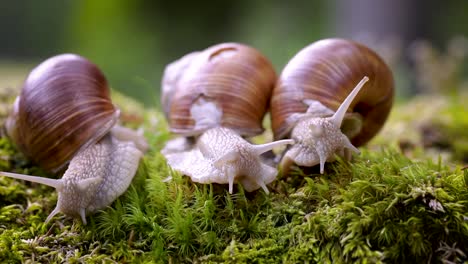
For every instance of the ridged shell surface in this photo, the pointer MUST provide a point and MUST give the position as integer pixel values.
(64, 106)
(236, 77)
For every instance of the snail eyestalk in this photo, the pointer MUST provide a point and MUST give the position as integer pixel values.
(260, 149)
(57, 184)
(337, 118)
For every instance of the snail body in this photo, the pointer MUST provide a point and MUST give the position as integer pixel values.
(310, 90)
(92, 180)
(64, 115)
(218, 96)
(222, 156)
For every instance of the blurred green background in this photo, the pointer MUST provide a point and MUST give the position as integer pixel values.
(133, 40)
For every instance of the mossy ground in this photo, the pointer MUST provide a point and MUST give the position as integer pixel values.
(394, 203)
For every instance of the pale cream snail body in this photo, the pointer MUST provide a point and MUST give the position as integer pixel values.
(64, 116)
(213, 99)
(332, 96)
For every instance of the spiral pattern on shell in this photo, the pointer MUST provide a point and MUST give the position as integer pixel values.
(64, 106)
(327, 71)
(236, 77)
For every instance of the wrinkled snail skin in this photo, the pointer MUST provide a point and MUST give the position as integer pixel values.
(332, 96)
(94, 179)
(222, 156)
(59, 102)
(217, 96)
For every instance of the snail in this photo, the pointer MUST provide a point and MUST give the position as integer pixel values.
(322, 78)
(214, 98)
(64, 115)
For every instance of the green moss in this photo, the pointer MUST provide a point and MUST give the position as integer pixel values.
(393, 210)
(383, 207)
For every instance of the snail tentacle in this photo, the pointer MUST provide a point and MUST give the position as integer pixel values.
(260, 149)
(83, 215)
(53, 213)
(57, 184)
(338, 117)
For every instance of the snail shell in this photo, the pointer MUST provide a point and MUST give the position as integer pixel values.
(236, 78)
(64, 106)
(327, 71)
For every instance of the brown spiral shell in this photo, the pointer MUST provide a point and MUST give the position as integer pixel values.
(327, 71)
(238, 78)
(64, 106)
